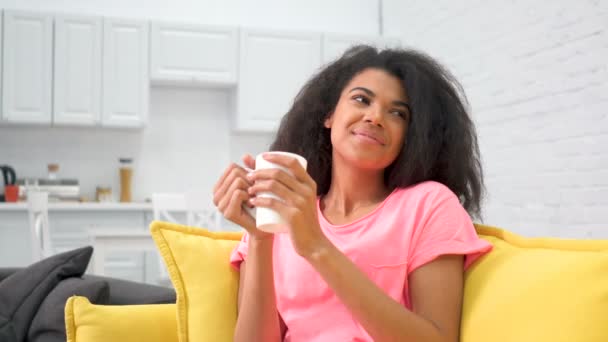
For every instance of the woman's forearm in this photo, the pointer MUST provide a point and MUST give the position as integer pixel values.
(258, 319)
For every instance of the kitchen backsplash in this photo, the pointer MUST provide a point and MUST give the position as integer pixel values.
(185, 146)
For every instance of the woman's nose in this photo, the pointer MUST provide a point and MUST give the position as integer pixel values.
(374, 116)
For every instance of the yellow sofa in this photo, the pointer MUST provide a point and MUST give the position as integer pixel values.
(526, 289)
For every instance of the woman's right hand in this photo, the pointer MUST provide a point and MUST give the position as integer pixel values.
(230, 195)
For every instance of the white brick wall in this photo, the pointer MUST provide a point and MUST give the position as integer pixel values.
(536, 75)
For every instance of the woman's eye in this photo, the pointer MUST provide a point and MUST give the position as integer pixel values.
(404, 114)
(362, 99)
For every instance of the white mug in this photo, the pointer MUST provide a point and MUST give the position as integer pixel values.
(267, 219)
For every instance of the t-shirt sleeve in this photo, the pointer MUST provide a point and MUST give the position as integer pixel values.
(239, 253)
(446, 229)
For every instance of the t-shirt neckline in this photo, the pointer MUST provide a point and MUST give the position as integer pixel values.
(360, 219)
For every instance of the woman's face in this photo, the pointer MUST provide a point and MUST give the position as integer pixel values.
(370, 121)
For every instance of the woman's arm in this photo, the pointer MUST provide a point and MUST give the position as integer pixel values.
(436, 293)
(435, 288)
(258, 319)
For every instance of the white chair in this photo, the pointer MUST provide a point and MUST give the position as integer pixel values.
(201, 212)
(165, 206)
(198, 209)
(40, 235)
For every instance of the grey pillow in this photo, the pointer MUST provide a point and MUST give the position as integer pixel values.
(49, 323)
(22, 293)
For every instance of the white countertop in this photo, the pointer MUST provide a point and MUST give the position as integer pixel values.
(82, 206)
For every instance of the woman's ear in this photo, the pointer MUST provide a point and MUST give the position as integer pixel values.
(329, 120)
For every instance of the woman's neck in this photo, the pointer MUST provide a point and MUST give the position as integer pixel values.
(352, 189)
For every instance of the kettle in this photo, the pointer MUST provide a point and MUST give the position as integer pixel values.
(9, 177)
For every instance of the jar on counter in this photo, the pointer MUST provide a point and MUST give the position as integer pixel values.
(126, 175)
(103, 194)
(53, 169)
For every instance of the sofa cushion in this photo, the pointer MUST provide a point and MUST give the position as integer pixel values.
(198, 262)
(536, 289)
(48, 324)
(86, 322)
(22, 293)
(125, 292)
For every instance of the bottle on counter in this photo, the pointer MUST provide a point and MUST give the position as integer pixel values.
(126, 175)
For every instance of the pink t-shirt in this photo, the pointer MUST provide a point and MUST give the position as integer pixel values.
(410, 228)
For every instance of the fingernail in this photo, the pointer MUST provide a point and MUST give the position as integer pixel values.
(250, 176)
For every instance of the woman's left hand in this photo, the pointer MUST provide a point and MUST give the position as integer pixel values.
(298, 204)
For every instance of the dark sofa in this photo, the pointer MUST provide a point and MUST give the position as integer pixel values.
(122, 292)
(32, 299)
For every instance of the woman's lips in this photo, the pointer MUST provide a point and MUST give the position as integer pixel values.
(369, 136)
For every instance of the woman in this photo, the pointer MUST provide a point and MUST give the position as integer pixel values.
(379, 234)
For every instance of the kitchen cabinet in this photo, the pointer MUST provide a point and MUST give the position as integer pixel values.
(77, 81)
(70, 224)
(334, 45)
(27, 67)
(70, 231)
(193, 55)
(125, 80)
(74, 70)
(85, 70)
(273, 66)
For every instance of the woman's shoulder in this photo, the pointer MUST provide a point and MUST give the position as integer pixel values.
(428, 190)
(424, 196)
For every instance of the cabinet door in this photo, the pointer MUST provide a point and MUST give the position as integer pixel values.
(334, 45)
(125, 73)
(273, 67)
(27, 63)
(193, 54)
(77, 93)
(70, 230)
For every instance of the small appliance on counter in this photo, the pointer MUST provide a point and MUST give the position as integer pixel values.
(58, 189)
(9, 191)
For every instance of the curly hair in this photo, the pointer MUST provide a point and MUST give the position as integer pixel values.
(441, 142)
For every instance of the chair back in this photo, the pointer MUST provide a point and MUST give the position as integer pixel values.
(166, 205)
(201, 212)
(197, 207)
(40, 234)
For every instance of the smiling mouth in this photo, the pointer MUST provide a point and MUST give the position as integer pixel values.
(369, 137)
